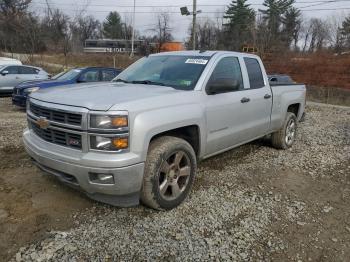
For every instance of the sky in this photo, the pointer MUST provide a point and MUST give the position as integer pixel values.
(146, 10)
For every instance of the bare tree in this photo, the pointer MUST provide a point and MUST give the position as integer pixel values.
(163, 29)
(207, 36)
(335, 32)
(12, 14)
(127, 26)
(82, 28)
(262, 35)
(316, 35)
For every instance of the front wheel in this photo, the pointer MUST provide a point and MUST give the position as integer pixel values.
(285, 137)
(169, 173)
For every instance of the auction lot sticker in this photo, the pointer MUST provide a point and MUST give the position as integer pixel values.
(196, 61)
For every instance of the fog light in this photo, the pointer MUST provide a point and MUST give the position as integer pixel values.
(100, 178)
(121, 143)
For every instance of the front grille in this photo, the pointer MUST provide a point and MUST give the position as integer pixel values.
(57, 137)
(56, 115)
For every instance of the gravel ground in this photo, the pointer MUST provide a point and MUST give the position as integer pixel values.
(252, 203)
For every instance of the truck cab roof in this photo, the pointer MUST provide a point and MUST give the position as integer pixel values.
(203, 53)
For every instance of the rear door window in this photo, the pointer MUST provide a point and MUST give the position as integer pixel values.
(255, 75)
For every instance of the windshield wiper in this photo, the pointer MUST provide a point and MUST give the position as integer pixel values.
(121, 80)
(147, 82)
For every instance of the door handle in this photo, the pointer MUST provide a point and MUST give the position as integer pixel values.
(245, 100)
(267, 96)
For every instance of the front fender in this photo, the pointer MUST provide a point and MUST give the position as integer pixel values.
(146, 125)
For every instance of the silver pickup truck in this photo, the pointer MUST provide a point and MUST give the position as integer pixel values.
(139, 138)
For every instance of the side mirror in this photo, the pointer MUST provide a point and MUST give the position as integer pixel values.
(222, 85)
(5, 72)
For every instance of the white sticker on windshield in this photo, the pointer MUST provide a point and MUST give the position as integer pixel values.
(196, 61)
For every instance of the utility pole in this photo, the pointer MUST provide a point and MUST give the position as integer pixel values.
(133, 31)
(194, 24)
(184, 11)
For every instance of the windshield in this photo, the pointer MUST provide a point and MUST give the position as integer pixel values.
(180, 72)
(69, 75)
(58, 75)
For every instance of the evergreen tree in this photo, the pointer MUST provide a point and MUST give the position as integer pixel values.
(273, 17)
(345, 32)
(241, 24)
(112, 27)
(291, 26)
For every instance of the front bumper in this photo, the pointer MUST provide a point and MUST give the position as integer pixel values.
(6, 91)
(71, 167)
(19, 100)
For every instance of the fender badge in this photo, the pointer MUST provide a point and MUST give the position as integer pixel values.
(42, 122)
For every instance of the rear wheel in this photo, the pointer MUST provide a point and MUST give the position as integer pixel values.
(285, 137)
(169, 173)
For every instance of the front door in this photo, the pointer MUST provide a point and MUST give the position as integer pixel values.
(224, 110)
(12, 78)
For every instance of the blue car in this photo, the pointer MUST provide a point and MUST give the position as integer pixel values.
(73, 76)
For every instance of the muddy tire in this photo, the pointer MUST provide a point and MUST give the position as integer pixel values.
(285, 137)
(169, 173)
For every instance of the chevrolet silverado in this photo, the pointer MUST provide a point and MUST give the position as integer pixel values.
(140, 137)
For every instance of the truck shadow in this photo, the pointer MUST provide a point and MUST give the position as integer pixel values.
(233, 156)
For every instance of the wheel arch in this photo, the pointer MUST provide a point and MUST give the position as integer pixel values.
(190, 133)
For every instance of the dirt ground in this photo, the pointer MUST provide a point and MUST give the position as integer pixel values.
(316, 226)
(31, 203)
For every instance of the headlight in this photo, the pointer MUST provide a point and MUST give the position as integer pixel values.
(108, 122)
(109, 143)
(31, 89)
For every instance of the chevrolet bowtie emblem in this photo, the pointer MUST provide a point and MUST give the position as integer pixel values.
(42, 122)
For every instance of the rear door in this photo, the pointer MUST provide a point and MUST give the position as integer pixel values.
(29, 73)
(258, 110)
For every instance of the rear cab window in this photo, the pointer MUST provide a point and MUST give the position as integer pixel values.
(256, 79)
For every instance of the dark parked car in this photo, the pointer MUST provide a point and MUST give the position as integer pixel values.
(73, 76)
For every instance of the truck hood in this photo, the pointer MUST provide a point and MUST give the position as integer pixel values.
(102, 96)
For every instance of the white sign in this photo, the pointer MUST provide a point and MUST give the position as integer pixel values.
(196, 61)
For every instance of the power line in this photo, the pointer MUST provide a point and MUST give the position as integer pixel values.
(302, 9)
(204, 12)
(173, 6)
(322, 3)
(326, 9)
